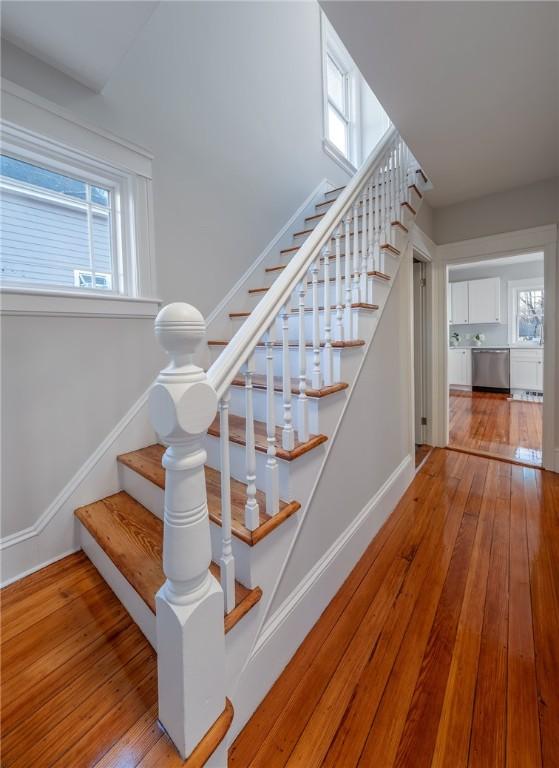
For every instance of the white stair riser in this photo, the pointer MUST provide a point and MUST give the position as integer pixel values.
(389, 236)
(342, 360)
(293, 479)
(362, 320)
(414, 199)
(259, 399)
(372, 285)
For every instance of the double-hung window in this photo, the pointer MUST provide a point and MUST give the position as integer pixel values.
(59, 230)
(338, 105)
(526, 314)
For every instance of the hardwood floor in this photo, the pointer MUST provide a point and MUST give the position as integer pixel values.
(490, 423)
(440, 648)
(79, 680)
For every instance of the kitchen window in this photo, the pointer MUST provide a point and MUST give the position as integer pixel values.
(526, 299)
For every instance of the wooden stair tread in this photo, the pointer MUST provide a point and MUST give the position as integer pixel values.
(237, 431)
(259, 382)
(422, 174)
(295, 311)
(416, 189)
(147, 463)
(132, 537)
(294, 344)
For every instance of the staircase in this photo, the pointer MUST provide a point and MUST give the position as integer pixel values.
(194, 542)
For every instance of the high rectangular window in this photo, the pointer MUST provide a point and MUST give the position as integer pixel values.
(57, 230)
(338, 105)
(529, 314)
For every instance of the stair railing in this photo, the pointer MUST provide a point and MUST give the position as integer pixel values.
(185, 400)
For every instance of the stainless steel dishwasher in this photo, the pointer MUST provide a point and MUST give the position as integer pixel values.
(491, 369)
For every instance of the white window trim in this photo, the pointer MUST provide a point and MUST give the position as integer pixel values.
(513, 287)
(36, 130)
(332, 45)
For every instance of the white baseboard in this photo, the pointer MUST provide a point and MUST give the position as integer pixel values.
(557, 460)
(286, 629)
(54, 534)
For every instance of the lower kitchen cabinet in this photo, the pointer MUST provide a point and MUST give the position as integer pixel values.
(526, 369)
(460, 367)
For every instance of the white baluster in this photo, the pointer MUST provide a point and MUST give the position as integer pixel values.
(226, 561)
(302, 400)
(355, 266)
(252, 512)
(376, 244)
(400, 180)
(272, 480)
(189, 605)
(288, 433)
(347, 277)
(364, 233)
(371, 227)
(384, 213)
(316, 375)
(328, 362)
(339, 292)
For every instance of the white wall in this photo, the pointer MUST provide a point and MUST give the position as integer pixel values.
(531, 206)
(495, 333)
(228, 98)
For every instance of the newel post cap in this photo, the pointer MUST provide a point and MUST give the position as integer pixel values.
(179, 327)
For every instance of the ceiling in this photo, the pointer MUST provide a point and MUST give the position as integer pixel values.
(520, 259)
(86, 40)
(473, 87)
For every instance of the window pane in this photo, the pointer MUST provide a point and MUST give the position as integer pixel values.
(530, 314)
(100, 196)
(41, 177)
(42, 241)
(337, 130)
(336, 85)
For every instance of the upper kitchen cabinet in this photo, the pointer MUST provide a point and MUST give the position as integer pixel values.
(458, 303)
(484, 300)
(475, 301)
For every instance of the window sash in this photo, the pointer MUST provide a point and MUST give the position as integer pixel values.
(517, 309)
(90, 208)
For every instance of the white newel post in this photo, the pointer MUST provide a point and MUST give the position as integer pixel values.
(189, 605)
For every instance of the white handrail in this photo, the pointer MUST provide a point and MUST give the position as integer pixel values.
(226, 367)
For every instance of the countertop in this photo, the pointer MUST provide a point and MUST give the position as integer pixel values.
(496, 346)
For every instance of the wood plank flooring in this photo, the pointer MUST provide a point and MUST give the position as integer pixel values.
(490, 423)
(439, 650)
(441, 647)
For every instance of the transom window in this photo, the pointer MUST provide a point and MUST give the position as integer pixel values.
(58, 230)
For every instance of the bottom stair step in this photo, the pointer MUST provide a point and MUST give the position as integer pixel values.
(132, 537)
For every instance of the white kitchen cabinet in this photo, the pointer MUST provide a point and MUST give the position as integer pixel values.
(484, 300)
(458, 303)
(475, 301)
(459, 367)
(526, 369)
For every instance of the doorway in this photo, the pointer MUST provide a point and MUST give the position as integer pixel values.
(495, 352)
(420, 358)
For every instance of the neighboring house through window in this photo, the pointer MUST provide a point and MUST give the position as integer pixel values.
(57, 230)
